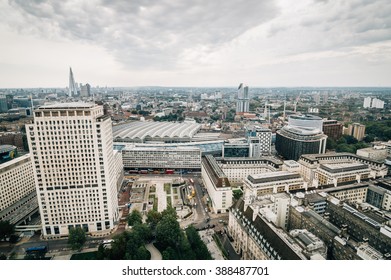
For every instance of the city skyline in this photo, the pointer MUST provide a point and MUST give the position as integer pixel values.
(265, 44)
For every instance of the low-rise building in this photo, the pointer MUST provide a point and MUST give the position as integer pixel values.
(377, 153)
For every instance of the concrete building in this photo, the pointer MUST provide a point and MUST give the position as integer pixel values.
(257, 185)
(310, 163)
(332, 129)
(3, 104)
(376, 153)
(292, 142)
(85, 90)
(158, 157)
(360, 226)
(354, 193)
(217, 185)
(377, 103)
(356, 130)
(243, 101)
(75, 169)
(260, 141)
(237, 169)
(367, 102)
(18, 198)
(12, 138)
(340, 173)
(255, 237)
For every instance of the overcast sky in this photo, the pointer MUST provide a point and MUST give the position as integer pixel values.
(195, 42)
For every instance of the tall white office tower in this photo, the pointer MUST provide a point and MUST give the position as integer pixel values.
(367, 102)
(72, 90)
(243, 102)
(75, 170)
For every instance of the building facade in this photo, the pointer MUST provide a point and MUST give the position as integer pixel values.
(74, 166)
(243, 101)
(356, 130)
(332, 129)
(271, 182)
(292, 142)
(237, 169)
(17, 189)
(341, 173)
(144, 157)
(217, 185)
(310, 163)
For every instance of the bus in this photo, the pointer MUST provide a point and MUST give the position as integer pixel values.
(37, 250)
(169, 171)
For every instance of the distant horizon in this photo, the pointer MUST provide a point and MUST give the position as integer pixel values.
(206, 87)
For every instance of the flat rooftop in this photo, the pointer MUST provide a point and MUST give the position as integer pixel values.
(343, 166)
(272, 177)
(71, 105)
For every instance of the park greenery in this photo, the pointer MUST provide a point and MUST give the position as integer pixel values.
(161, 228)
(7, 230)
(77, 238)
(346, 143)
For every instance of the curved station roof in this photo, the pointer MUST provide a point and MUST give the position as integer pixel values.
(155, 131)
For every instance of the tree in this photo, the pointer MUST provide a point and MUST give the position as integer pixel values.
(144, 231)
(199, 248)
(76, 238)
(135, 218)
(6, 229)
(168, 232)
(153, 218)
(237, 194)
(330, 144)
(3, 257)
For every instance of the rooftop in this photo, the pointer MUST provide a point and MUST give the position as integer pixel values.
(343, 166)
(272, 177)
(154, 130)
(73, 105)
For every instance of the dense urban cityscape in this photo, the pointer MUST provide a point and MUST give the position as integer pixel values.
(195, 173)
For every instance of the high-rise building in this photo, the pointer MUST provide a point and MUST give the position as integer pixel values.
(377, 103)
(367, 102)
(260, 141)
(292, 142)
(302, 135)
(3, 104)
(75, 169)
(356, 130)
(72, 89)
(332, 129)
(85, 90)
(243, 102)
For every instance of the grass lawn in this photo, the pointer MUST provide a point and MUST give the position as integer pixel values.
(167, 188)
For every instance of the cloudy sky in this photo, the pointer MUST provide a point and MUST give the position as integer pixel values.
(195, 42)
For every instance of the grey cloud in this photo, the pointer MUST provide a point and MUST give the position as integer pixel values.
(353, 23)
(146, 33)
